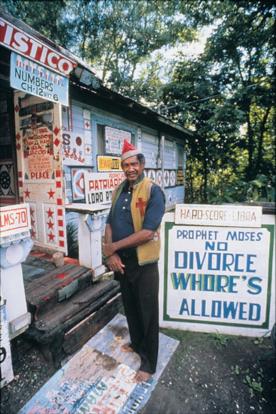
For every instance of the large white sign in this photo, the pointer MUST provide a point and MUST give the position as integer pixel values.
(99, 186)
(225, 215)
(217, 277)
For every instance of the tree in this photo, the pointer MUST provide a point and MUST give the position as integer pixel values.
(226, 95)
(47, 17)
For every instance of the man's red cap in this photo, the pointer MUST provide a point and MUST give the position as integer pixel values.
(128, 150)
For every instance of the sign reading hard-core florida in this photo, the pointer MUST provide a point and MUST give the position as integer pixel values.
(99, 186)
(217, 276)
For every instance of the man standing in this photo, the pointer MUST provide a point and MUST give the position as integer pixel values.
(131, 248)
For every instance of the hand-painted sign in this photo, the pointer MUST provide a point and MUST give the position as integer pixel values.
(38, 153)
(114, 139)
(14, 219)
(73, 148)
(28, 76)
(17, 40)
(217, 276)
(227, 215)
(108, 163)
(99, 186)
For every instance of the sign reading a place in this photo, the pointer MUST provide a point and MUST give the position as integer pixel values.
(32, 78)
(217, 279)
(19, 41)
(99, 186)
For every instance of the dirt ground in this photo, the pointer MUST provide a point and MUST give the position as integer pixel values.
(207, 374)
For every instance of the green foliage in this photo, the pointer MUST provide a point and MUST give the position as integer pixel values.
(225, 95)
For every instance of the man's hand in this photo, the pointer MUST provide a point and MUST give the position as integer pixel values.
(108, 249)
(115, 264)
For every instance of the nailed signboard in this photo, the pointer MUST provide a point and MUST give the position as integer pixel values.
(218, 277)
(17, 40)
(30, 77)
(114, 139)
(108, 163)
(222, 215)
(99, 186)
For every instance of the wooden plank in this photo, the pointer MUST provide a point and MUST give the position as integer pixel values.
(76, 337)
(63, 316)
(55, 286)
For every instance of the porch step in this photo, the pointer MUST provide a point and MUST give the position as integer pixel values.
(62, 328)
(47, 289)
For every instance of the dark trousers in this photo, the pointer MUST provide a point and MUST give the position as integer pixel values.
(139, 287)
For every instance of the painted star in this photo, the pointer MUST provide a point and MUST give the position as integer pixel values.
(27, 193)
(50, 224)
(51, 193)
(50, 212)
(51, 236)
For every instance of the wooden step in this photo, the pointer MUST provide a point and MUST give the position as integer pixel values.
(44, 291)
(77, 318)
(63, 316)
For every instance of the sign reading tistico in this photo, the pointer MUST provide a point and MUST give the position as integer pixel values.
(21, 42)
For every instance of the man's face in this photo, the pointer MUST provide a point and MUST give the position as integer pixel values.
(132, 168)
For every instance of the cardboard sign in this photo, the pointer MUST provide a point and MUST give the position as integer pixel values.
(99, 186)
(19, 41)
(218, 276)
(28, 76)
(14, 219)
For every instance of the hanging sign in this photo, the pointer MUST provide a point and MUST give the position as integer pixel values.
(19, 41)
(30, 77)
(218, 278)
(99, 186)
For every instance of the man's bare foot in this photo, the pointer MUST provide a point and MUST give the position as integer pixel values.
(127, 348)
(142, 376)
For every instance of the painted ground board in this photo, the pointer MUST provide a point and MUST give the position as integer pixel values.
(99, 378)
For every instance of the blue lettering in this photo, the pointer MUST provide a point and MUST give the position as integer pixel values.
(250, 262)
(216, 265)
(242, 311)
(184, 307)
(180, 280)
(254, 312)
(253, 286)
(230, 308)
(216, 309)
(193, 312)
